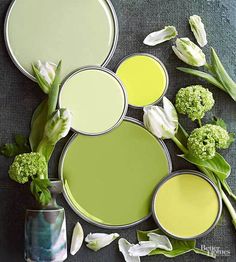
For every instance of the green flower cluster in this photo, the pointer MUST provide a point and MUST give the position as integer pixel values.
(26, 166)
(194, 101)
(203, 141)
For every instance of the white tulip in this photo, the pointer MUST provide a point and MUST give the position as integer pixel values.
(188, 52)
(47, 71)
(162, 122)
(77, 239)
(198, 29)
(99, 240)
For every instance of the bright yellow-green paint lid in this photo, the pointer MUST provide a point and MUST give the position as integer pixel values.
(186, 205)
(144, 77)
(109, 180)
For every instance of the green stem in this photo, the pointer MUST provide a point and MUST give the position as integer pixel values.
(199, 122)
(229, 206)
(228, 189)
(179, 145)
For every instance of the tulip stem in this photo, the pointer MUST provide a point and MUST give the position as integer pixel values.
(179, 145)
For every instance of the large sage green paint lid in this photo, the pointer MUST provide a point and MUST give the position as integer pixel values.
(78, 32)
(109, 180)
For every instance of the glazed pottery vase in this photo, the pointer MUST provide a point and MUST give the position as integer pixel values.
(45, 230)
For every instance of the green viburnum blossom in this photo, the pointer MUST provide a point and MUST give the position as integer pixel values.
(26, 166)
(194, 101)
(203, 141)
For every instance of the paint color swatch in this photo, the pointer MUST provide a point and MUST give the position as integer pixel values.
(144, 78)
(109, 179)
(96, 100)
(77, 32)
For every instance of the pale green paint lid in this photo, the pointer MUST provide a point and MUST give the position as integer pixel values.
(96, 99)
(78, 32)
(109, 180)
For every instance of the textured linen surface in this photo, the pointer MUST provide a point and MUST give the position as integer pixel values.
(19, 96)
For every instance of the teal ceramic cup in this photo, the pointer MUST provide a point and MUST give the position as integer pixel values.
(45, 231)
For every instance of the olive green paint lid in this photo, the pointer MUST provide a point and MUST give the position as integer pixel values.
(109, 180)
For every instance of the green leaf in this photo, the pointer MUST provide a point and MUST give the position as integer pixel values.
(182, 135)
(228, 189)
(40, 80)
(227, 82)
(218, 165)
(20, 146)
(38, 123)
(54, 91)
(180, 247)
(39, 188)
(209, 78)
(220, 122)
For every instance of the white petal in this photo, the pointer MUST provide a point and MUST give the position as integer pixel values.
(171, 115)
(160, 36)
(99, 240)
(95, 236)
(47, 71)
(198, 29)
(77, 239)
(161, 241)
(156, 121)
(124, 247)
(179, 55)
(142, 249)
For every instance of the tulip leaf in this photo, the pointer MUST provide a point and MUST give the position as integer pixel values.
(54, 91)
(180, 247)
(222, 75)
(40, 80)
(209, 78)
(38, 123)
(182, 135)
(228, 189)
(218, 164)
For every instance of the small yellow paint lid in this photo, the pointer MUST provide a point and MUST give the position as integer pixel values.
(144, 77)
(186, 205)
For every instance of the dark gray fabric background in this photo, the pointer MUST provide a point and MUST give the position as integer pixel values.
(19, 96)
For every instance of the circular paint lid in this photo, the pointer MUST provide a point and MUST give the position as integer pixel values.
(109, 180)
(96, 99)
(144, 77)
(186, 205)
(79, 33)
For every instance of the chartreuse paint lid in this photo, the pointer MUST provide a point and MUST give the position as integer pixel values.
(145, 78)
(96, 98)
(78, 32)
(109, 180)
(186, 205)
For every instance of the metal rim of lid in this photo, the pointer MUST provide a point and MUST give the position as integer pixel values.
(25, 72)
(80, 214)
(103, 69)
(163, 67)
(183, 172)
